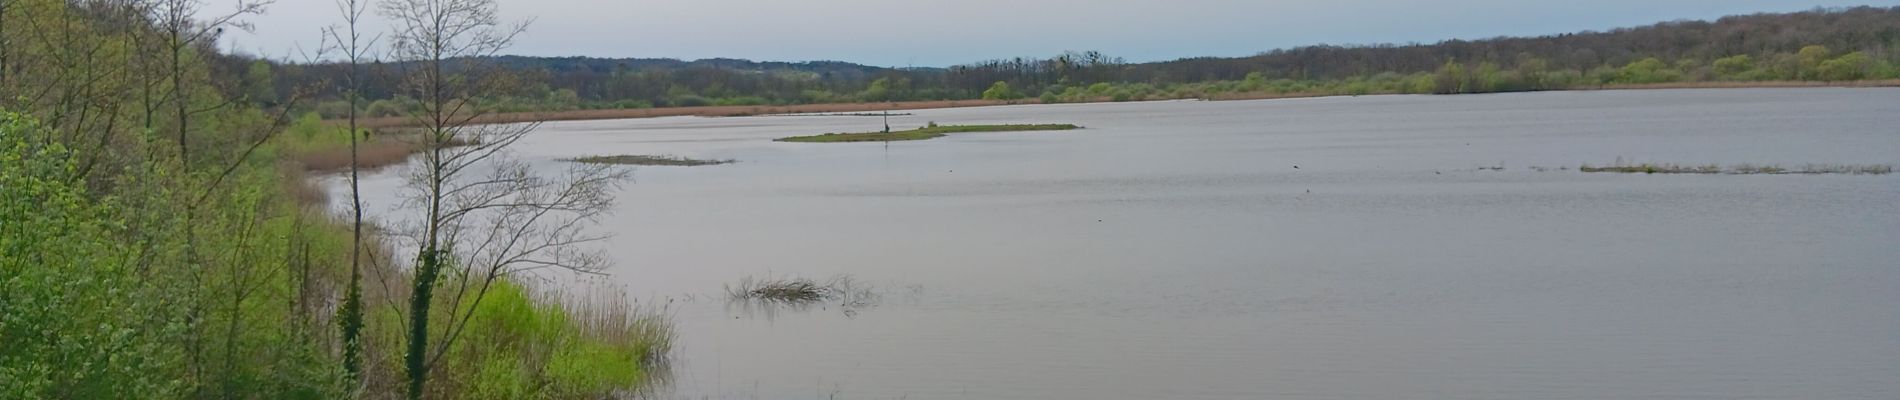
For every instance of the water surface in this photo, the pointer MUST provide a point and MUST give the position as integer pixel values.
(1334, 248)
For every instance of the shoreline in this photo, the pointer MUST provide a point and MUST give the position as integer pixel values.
(707, 111)
(752, 111)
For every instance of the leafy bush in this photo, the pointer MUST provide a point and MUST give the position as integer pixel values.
(1648, 70)
(1001, 91)
(1848, 67)
(1733, 67)
(76, 321)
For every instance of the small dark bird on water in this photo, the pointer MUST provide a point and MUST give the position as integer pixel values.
(1296, 167)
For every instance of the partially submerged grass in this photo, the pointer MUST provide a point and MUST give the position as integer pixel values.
(790, 290)
(660, 160)
(859, 114)
(1855, 169)
(844, 289)
(1653, 168)
(379, 151)
(1621, 166)
(928, 132)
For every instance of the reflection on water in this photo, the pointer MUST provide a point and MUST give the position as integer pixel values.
(1174, 250)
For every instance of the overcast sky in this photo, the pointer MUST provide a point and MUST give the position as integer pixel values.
(947, 32)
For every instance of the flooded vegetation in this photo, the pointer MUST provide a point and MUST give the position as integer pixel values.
(860, 114)
(843, 289)
(931, 131)
(661, 160)
(1621, 166)
(793, 290)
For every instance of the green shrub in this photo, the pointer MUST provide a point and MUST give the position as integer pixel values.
(1733, 67)
(1000, 91)
(76, 320)
(1648, 70)
(1848, 67)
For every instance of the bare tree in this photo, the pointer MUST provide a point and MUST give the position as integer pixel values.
(354, 48)
(485, 214)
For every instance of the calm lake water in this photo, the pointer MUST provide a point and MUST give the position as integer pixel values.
(1335, 248)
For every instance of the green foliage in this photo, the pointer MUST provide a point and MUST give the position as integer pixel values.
(310, 131)
(1847, 67)
(393, 107)
(519, 345)
(127, 272)
(1451, 78)
(1421, 83)
(1526, 73)
(1648, 70)
(1733, 67)
(741, 101)
(688, 101)
(562, 100)
(76, 321)
(1001, 91)
(879, 90)
(1255, 81)
(1883, 70)
(259, 84)
(1810, 59)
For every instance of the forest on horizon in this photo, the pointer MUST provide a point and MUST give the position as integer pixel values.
(1832, 44)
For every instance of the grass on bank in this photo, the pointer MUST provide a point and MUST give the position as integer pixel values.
(928, 132)
(1621, 166)
(318, 146)
(524, 340)
(645, 160)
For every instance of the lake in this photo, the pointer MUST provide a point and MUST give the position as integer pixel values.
(1390, 247)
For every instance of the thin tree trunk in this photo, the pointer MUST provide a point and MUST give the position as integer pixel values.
(419, 322)
(6, 45)
(353, 299)
(432, 257)
(352, 324)
(179, 100)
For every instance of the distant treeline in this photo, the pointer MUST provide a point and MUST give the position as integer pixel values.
(1842, 44)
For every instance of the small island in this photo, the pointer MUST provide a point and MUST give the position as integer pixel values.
(928, 132)
(1623, 167)
(666, 161)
